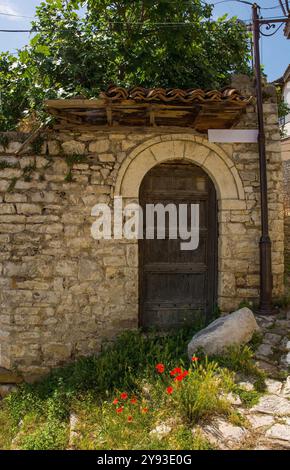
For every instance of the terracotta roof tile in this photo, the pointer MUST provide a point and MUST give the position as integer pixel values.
(173, 95)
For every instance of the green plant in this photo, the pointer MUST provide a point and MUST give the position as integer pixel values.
(282, 302)
(128, 374)
(199, 395)
(283, 111)
(27, 171)
(240, 359)
(130, 360)
(216, 311)
(37, 144)
(246, 303)
(249, 397)
(12, 184)
(68, 177)
(256, 341)
(70, 55)
(49, 435)
(4, 140)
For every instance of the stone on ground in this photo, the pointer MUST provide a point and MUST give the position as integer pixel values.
(233, 399)
(6, 390)
(234, 329)
(223, 434)
(272, 338)
(259, 421)
(263, 350)
(73, 428)
(286, 388)
(161, 431)
(272, 405)
(246, 385)
(285, 360)
(279, 431)
(274, 387)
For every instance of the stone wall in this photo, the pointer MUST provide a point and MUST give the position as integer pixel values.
(63, 294)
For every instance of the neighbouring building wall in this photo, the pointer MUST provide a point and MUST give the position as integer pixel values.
(286, 98)
(285, 149)
(62, 292)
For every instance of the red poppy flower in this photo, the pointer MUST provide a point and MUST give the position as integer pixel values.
(175, 371)
(130, 419)
(124, 396)
(115, 401)
(194, 358)
(144, 410)
(169, 390)
(185, 373)
(178, 378)
(119, 410)
(133, 401)
(160, 368)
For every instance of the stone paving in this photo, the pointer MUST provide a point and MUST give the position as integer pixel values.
(267, 424)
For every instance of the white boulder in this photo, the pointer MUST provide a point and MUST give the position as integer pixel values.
(234, 329)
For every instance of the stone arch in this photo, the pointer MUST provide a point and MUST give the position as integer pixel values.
(196, 149)
(221, 169)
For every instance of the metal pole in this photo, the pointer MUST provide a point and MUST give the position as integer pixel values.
(265, 242)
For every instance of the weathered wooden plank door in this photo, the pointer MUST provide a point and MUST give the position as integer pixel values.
(175, 285)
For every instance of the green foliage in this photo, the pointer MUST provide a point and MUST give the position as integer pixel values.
(27, 171)
(282, 302)
(101, 428)
(123, 365)
(200, 395)
(256, 341)
(36, 435)
(8, 428)
(4, 140)
(249, 397)
(246, 303)
(283, 110)
(240, 359)
(125, 42)
(12, 185)
(36, 416)
(74, 159)
(37, 144)
(216, 311)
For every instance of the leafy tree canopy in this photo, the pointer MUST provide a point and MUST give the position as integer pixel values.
(81, 47)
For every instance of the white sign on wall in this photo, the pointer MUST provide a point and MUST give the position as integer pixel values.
(233, 135)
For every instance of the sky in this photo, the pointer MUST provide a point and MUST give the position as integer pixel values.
(275, 50)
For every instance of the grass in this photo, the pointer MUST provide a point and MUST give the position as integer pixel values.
(240, 359)
(37, 416)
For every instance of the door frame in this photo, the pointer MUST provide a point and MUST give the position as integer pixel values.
(212, 283)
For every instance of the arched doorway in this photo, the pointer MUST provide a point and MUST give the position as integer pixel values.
(177, 285)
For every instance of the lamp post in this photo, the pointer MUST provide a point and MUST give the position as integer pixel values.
(265, 306)
(265, 242)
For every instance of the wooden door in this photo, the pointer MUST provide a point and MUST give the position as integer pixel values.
(175, 285)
